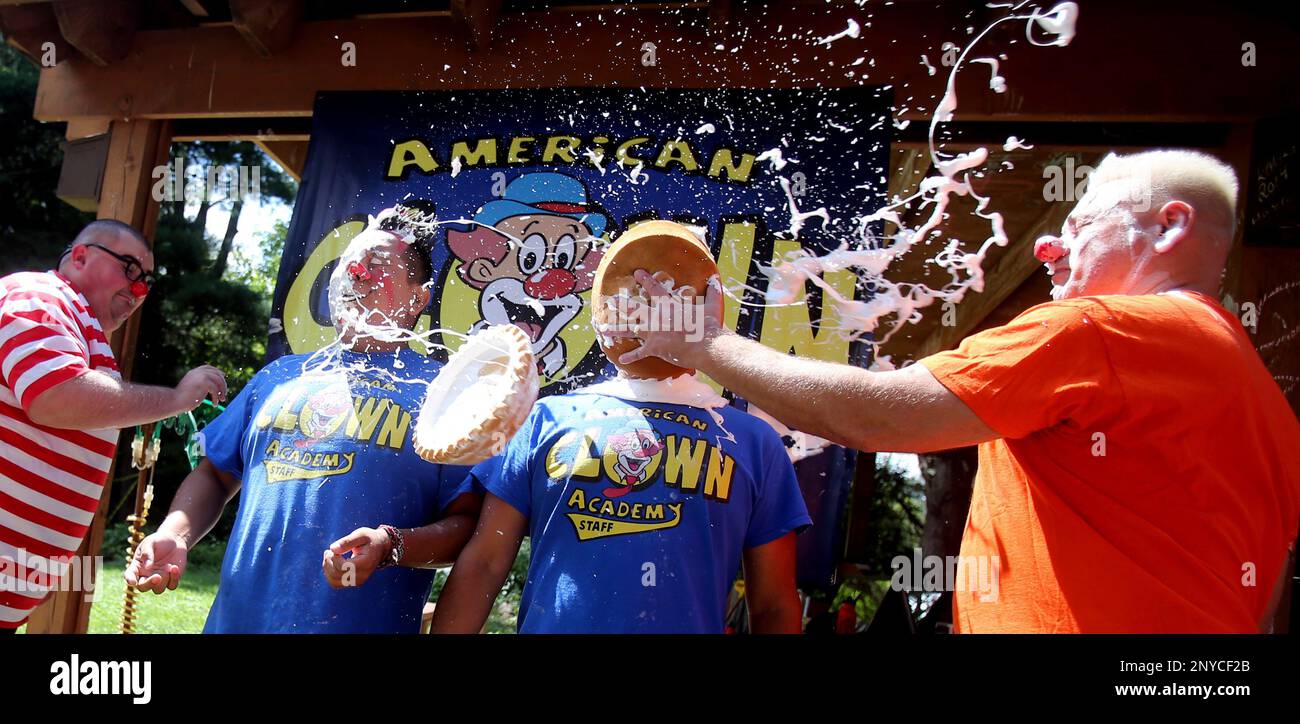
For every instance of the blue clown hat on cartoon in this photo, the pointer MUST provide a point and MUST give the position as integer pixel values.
(544, 193)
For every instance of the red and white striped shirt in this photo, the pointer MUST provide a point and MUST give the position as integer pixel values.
(50, 479)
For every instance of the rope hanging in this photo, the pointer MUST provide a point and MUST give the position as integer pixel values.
(143, 457)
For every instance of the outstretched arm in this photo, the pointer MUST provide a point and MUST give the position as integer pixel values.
(905, 410)
(96, 401)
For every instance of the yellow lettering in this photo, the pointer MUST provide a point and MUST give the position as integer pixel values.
(393, 433)
(624, 152)
(410, 153)
(484, 152)
(368, 414)
(789, 329)
(519, 147)
(718, 483)
(565, 147)
(286, 420)
(301, 328)
(682, 467)
(722, 162)
(677, 151)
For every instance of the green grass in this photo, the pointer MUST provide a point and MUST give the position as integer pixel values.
(181, 611)
(186, 609)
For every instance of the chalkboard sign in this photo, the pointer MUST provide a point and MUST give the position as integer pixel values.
(1273, 196)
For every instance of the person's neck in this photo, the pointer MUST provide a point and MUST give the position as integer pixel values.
(1183, 286)
(1163, 282)
(370, 345)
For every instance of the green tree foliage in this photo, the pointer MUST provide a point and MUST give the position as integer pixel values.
(195, 317)
(210, 305)
(896, 519)
(34, 224)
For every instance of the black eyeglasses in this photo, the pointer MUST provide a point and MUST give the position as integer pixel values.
(141, 280)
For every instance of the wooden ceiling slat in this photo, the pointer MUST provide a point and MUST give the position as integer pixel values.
(1104, 75)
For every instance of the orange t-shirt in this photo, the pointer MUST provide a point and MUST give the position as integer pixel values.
(1148, 474)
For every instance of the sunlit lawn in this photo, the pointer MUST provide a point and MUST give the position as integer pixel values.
(186, 609)
(181, 611)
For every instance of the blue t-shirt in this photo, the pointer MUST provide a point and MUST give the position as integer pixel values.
(320, 455)
(639, 512)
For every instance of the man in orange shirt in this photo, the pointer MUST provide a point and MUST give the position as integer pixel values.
(1138, 466)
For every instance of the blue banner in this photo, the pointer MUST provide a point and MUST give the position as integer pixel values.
(591, 161)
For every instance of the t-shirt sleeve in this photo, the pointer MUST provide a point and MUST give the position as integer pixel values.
(40, 346)
(509, 475)
(779, 506)
(455, 482)
(1046, 367)
(223, 438)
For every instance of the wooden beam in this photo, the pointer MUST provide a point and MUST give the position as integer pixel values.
(101, 29)
(242, 129)
(29, 27)
(290, 155)
(479, 17)
(135, 148)
(1106, 74)
(719, 16)
(195, 7)
(84, 128)
(267, 25)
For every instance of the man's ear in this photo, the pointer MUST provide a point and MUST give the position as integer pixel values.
(1175, 219)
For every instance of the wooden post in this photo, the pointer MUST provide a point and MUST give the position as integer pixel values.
(135, 148)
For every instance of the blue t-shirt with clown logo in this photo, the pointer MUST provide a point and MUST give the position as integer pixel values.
(639, 512)
(320, 455)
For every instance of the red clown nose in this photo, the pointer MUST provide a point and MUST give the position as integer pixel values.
(359, 271)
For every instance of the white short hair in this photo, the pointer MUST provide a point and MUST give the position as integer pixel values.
(1205, 182)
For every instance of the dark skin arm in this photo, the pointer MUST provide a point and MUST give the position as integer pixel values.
(769, 587)
(161, 558)
(429, 546)
(481, 569)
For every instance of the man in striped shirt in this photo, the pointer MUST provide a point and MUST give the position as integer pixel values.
(62, 402)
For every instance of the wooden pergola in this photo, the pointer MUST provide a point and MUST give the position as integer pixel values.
(1137, 75)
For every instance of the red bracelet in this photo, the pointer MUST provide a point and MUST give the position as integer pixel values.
(397, 547)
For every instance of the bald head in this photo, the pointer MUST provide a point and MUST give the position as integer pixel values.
(113, 231)
(1149, 222)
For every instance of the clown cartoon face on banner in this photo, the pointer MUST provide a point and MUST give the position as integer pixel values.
(531, 256)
